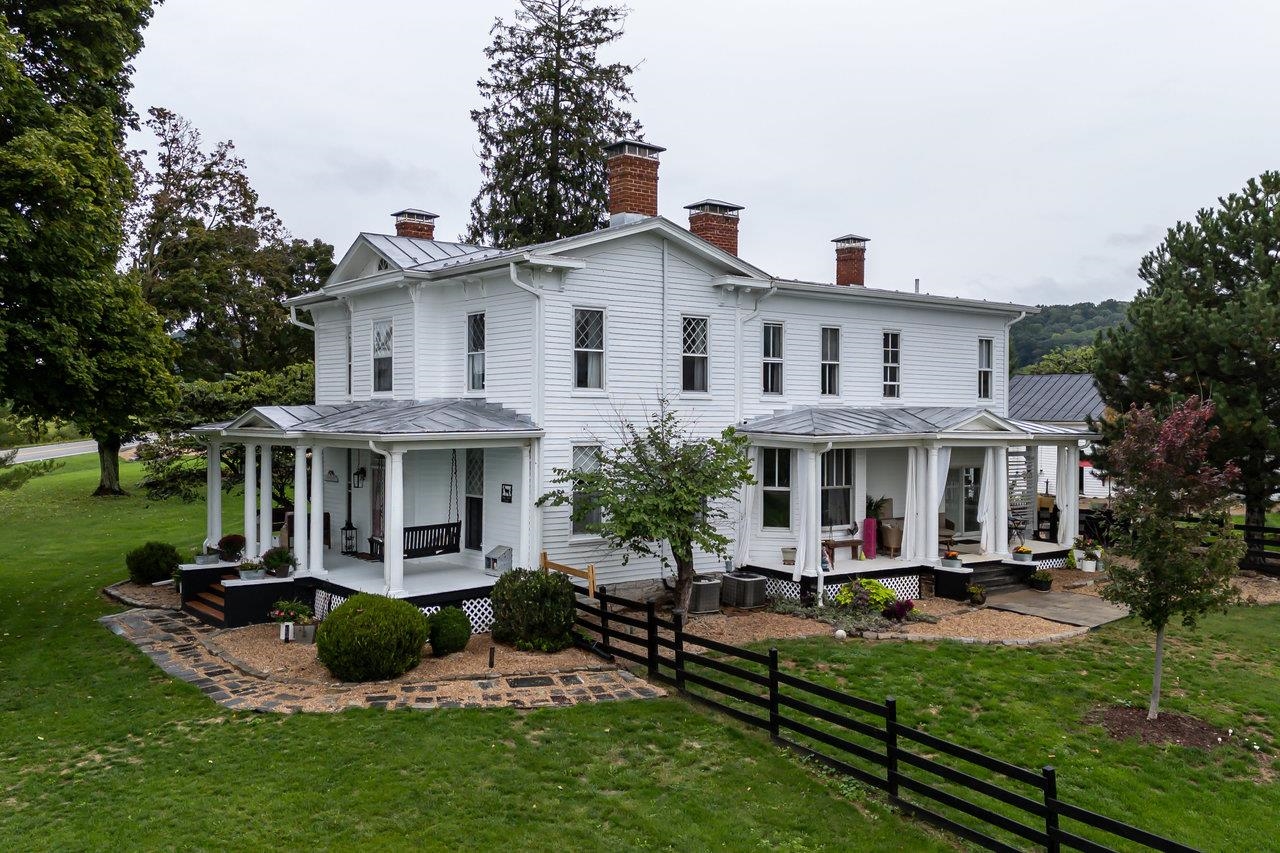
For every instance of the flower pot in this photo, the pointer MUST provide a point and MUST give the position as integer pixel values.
(1021, 558)
(952, 564)
(788, 556)
(207, 559)
(1088, 565)
(279, 571)
(1043, 586)
(304, 633)
(252, 574)
(977, 598)
(1079, 555)
(286, 631)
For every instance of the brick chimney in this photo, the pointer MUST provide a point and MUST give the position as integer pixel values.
(716, 222)
(632, 168)
(412, 222)
(851, 260)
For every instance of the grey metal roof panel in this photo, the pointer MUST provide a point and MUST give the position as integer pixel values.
(864, 421)
(400, 417)
(414, 252)
(1056, 397)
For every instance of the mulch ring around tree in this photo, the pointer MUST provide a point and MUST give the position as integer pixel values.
(1169, 727)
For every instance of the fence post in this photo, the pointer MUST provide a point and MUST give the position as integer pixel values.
(891, 743)
(773, 692)
(677, 616)
(1051, 808)
(602, 595)
(652, 614)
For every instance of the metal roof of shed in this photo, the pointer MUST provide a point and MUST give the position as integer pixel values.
(1055, 397)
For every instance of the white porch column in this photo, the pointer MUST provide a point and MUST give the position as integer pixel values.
(528, 559)
(315, 560)
(250, 501)
(300, 521)
(213, 495)
(1073, 491)
(859, 510)
(931, 506)
(393, 526)
(813, 535)
(1001, 485)
(264, 501)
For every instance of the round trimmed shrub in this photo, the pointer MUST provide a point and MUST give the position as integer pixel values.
(371, 638)
(154, 561)
(450, 631)
(533, 610)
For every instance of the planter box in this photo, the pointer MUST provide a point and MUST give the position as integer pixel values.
(788, 556)
(1022, 558)
(208, 559)
(252, 574)
(1088, 565)
(952, 564)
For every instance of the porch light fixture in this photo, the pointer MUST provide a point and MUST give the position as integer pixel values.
(348, 538)
(331, 476)
(357, 478)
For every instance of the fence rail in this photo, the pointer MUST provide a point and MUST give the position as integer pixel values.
(985, 800)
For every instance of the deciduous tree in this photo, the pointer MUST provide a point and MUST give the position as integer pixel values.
(1170, 499)
(1064, 360)
(550, 108)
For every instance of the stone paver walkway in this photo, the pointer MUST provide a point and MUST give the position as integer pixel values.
(175, 642)
(1071, 608)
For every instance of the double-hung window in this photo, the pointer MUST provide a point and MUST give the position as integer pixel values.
(588, 348)
(893, 364)
(830, 361)
(586, 514)
(382, 355)
(986, 376)
(775, 487)
(475, 352)
(693, 365)
(837, 488)
(772, 358)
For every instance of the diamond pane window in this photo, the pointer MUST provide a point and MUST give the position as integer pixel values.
(693, 366)
(588, 348)
(382, 355)
(585, 514)
(475, 352)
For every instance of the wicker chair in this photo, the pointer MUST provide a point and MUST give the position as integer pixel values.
(890, 536)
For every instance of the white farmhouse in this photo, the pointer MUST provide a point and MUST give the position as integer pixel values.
(451, 379)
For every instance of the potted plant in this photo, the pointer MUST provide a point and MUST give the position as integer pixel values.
(1072, 562)
(977, 594)
(279, 562)
(951, 559)
(295, 620)
(231, 547)
(252, 570)
(1078, 547)
(1041, 580)
(1022, 554)
(207, 556)
(788, 556)
(1090, 561)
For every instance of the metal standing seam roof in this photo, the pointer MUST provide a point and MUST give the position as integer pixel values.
(392, 417)
(846, 421)
(1055, 397)
(416, 253)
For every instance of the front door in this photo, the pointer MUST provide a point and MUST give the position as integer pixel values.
(960, 503)
(474, 515)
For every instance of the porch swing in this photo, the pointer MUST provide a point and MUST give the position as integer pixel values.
(431, 540)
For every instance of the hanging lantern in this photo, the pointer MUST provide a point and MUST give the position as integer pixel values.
(348, 538)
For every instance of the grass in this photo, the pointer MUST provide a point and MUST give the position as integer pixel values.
(1029, 706)
(100, 749)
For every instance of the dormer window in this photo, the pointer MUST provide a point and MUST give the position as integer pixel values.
(381, 356)
(383, 266)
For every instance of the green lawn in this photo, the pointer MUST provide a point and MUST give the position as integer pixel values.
(99, 749)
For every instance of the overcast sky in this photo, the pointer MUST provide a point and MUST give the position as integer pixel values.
(1026, 151)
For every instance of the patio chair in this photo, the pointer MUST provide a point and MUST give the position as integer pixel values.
(890, 535)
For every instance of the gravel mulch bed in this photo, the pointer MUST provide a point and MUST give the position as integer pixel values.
(145, 595)
(1258, 589)
(258, 649)
(984, 625)
(740, 627)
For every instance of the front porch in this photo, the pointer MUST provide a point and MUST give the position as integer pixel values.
(447, 574)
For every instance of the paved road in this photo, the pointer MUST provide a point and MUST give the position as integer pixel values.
(57, 451)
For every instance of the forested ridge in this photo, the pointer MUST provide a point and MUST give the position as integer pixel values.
(1058, 326)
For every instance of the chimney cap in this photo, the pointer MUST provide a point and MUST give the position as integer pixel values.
(714, 205)
(416, 214)
(850, 240)
(633, 146)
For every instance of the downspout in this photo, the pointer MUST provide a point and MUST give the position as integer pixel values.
(293, 318)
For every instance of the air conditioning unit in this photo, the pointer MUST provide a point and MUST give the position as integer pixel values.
(706, 595)
(744, 590)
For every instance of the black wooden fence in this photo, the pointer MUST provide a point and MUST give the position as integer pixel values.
(990, 802)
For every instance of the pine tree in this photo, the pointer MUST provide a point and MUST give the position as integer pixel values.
(550, 108)
(1207, 324)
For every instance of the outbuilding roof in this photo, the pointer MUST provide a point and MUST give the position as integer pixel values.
(1055, 398)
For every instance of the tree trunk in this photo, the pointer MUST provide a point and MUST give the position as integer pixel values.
(108, 467)
(1255, 514)
(684, 582)
(1153, 710)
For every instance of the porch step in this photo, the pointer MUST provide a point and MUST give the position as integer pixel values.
(218, 588)
(998, 577)
(205, 612)
(213, 599)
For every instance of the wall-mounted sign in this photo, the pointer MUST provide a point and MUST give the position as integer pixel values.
(506, 493)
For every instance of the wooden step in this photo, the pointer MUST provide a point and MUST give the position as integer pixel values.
(205, 612)
(218, 588)
(213, 599)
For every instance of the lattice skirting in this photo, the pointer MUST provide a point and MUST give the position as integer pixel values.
(478, 610)
(781, 588)
(904, 587)
(1052, 563)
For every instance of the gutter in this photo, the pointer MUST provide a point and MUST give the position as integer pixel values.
(293, 318)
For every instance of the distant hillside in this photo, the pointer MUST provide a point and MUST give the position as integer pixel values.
(1062, 326)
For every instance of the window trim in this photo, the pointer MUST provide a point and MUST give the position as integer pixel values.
(373, 359)
(583, 535)
(824, 363)
(848, 454)
(780, 360)
(588, 390)
(989, 370)
(885, 365)
(468, 353)
(705, 355)
(790, 456)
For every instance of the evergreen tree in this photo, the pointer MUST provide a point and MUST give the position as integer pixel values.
(1207, 324)
(550, 109)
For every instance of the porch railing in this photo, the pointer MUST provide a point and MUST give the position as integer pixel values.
(588, 574)
(426, 540)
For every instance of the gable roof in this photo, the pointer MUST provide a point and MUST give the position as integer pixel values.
(872, 422)
(442, 416)
(1055, 397)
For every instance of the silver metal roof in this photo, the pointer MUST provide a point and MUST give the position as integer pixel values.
(1055, 397)
(713, 202)
(387, 417)
(830, 422)
(415, 253)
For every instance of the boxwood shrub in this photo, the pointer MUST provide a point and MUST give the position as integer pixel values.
(533, 610)
(154, 561)
(450, 631)
(370, 638)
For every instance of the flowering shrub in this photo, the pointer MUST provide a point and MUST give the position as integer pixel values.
(898, 610)
(865, 594)
(951, 555)
(291, 611)
(1022, 549)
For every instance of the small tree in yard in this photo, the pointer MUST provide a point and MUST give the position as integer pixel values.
(1171, 499)
(659, 485)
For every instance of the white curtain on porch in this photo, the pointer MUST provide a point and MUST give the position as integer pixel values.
(1062, 494)
(987, 502)
(944, 468)
(911, 532)
(800, 486)
(746, 521)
